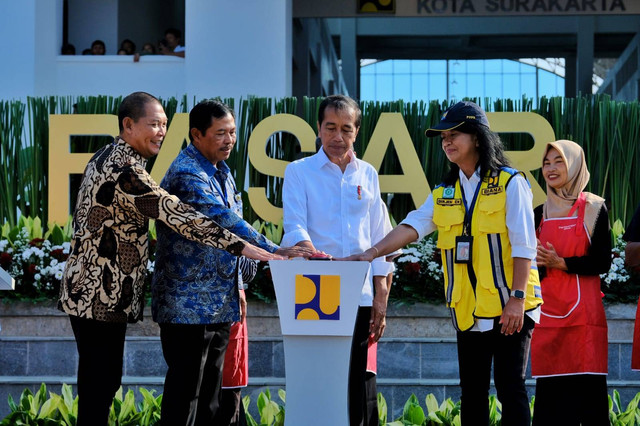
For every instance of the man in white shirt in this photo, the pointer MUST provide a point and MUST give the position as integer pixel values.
(332, 204)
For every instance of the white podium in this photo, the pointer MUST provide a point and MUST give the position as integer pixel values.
(6, 281)
(317, 303)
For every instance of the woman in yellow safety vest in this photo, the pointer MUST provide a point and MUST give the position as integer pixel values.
(484, 216)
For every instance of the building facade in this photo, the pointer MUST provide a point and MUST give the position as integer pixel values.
(281, 48)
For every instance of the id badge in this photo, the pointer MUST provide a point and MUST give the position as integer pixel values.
(463, 249)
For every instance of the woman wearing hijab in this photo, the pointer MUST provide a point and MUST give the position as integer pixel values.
(569, 345)
(484, 216)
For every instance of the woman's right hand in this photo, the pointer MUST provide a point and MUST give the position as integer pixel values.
(548, 257)
(367, 256)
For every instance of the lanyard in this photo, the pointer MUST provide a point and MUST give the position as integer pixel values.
(468, 211)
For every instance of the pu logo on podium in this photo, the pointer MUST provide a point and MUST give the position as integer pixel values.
(317, 297)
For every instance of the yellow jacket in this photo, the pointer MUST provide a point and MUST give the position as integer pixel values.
(491, 261)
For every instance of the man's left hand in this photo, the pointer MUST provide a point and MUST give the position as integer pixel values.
(378, 321)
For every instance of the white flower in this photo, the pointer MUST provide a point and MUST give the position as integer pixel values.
(37, 277)
(27, 254)
(617, 273)
(411, 259)
(58, 275)
(411, 251)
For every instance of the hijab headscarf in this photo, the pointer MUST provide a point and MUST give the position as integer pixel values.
(559, 201)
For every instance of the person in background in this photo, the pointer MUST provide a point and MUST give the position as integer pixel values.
(148, 49)
(632, 261)
(332, 203)
(102, 287)
(483, 208)
(569, 346)
(235, 373)
(128, 46)
(68, 49)
(98, 47)
(195, 296)
(170, 45)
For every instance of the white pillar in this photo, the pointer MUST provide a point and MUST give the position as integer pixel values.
(17, 51)
(242, 48)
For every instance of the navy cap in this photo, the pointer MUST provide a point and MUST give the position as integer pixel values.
(458, 114)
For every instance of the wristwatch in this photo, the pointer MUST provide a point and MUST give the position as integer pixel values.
(518, 294)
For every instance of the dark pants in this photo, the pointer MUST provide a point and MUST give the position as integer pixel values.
(571, 400)
(371, 393)
(100, 349)
(363, 407)
(231, 412)
(194, 355)
(509, 354)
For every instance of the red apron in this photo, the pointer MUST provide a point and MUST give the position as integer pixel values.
(235, 372)
(635, 351)
(372, 357)
(572, 335)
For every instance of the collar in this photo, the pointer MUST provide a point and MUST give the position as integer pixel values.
(473, 180)
(322, 159)
(128, 149)
(206, 165)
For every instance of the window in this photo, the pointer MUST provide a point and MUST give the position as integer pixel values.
(415, 80)
(113, 21)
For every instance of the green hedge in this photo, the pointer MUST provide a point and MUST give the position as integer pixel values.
(608, 130)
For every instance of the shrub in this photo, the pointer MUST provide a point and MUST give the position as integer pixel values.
(63, 410)
(36, 261)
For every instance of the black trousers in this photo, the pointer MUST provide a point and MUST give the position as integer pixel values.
(509, 354)
(194, 355)
(580, 399)
(231, 412)
(363, 402)
(100, 350)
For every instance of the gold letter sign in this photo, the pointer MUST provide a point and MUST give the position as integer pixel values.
(62, 162)
(390, 127)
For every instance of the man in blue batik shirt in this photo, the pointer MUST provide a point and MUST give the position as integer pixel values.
(195, 295)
